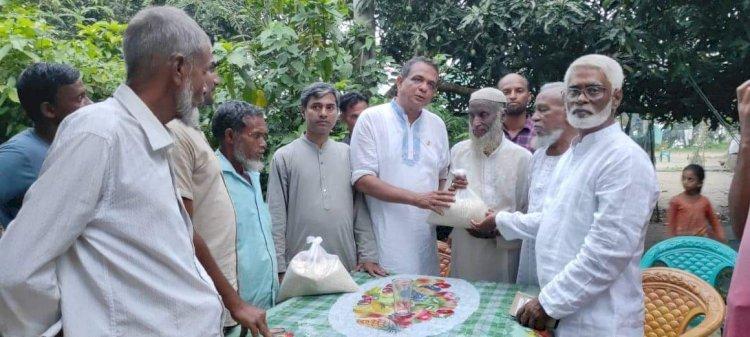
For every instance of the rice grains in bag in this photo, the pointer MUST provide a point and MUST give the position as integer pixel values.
(314, 272)
(468, 206)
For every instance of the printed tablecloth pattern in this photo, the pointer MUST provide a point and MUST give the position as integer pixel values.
(308, 316)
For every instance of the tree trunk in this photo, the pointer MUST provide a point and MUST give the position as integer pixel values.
(364, 15)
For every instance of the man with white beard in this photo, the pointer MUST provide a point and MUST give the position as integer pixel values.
(553, 137)
(497, 172)
(102, 245)
(590, 231)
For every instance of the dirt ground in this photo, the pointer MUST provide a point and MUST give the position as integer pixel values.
(715, 188)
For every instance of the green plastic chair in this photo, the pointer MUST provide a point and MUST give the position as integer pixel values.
(703, 257)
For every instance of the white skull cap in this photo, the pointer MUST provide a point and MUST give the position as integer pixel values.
(489, 94)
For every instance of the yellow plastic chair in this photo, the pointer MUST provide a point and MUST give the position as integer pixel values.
(674, 297)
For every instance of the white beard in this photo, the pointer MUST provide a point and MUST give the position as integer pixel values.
(591, 121)
(185, 110)
(541, 141)
(490, 140)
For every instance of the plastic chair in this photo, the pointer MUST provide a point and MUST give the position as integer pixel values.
(673, 298)
(444, 256)
(701, 256)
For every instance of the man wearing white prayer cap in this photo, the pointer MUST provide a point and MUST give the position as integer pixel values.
(497, 172)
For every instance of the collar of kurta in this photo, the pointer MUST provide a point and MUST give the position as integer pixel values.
(315, 146)
(593, 138)
(226, 166)
(156, 133)
(401, 113)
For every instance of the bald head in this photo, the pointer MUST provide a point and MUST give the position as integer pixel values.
(512, 77)
(516, 90)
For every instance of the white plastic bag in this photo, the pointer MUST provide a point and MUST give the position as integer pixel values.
(314, 272)
(468, 206)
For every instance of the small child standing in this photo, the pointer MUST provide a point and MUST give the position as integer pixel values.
(690, 212)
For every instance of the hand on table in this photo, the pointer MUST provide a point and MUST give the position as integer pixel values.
(251, 318)
(532, 315)
(372, 268)
(435, 201)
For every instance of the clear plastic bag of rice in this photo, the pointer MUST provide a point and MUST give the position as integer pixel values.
(468, 206)
(315, 272)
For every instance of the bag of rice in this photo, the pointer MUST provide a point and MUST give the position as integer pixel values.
(468, 206)
(314, 272)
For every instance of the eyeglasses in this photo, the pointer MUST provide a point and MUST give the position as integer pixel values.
(592, 92)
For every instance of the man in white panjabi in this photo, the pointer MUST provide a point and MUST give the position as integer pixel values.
(591, 229)
(553, 137)
(497, 172)
(400, 158)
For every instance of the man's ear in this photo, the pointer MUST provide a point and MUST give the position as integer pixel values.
(229, 136)
(616, 99)
(399, 80)
(179, 69)
(47, 110)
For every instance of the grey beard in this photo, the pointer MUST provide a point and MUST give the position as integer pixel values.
(252, 165)
(548, 139)
(185, 110)
(489, 142)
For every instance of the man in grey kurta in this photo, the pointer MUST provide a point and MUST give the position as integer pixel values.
(310, 194)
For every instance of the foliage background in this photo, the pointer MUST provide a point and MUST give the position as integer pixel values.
(269, 49)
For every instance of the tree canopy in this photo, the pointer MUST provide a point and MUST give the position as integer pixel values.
(661, 44)
(268, 50)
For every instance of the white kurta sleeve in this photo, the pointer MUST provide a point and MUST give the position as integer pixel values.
(278, 199)
(363, 148)
(523, 183)
(517, 225)
(445, 159)
(625, 193)
(55, 212)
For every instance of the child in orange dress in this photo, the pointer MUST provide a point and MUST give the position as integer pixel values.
(690, 212)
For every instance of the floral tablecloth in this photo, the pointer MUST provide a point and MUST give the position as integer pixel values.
(308, 316)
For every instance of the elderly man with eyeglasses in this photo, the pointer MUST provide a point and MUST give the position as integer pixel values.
(590, 231)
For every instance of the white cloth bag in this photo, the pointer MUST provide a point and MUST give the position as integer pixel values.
(468, 206)
(314, 272)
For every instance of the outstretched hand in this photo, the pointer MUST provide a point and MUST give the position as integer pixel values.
(435, 201)
(487, 226)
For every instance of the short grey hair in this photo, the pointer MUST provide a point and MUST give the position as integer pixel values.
(611, 68)
(556, 86)
(406, 67)
(317, 90)
(231, 115)
(155, 34)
